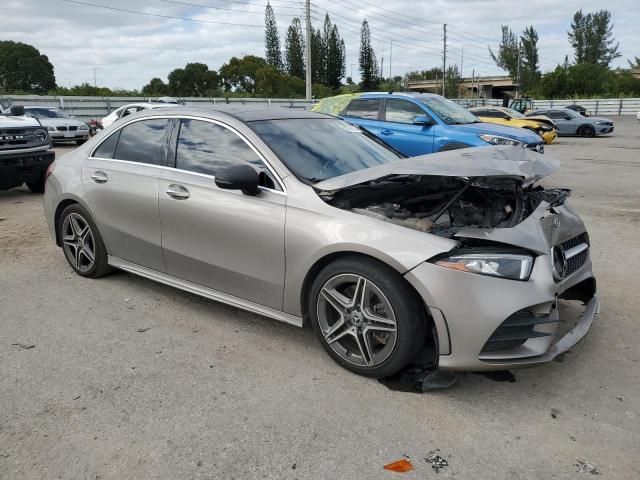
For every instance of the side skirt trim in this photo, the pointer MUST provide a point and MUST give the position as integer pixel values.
(204, 291)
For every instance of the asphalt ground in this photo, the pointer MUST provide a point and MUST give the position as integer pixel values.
(125, 378)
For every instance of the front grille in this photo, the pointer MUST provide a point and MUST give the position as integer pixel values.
(73, 128)
(62, 129)
(11, 139)
(516, 330)
(575, 262)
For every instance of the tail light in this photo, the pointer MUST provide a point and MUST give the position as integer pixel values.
(50, 169)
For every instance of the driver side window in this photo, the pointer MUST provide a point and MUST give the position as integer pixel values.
(402, 111)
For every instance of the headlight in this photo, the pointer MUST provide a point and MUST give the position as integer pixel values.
(83, 127)
(504, 265)
(41, 135)
(51, 129)
(599, 123)
(545, 128)
(496, 140)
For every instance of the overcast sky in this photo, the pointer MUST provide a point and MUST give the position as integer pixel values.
(128, 49)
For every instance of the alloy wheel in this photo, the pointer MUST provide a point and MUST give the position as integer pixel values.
(78, 242)
(356, 320)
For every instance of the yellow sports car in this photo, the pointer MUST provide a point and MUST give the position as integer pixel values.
(541, 125)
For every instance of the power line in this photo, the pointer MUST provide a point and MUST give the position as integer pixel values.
(186, 19)
(176, 2)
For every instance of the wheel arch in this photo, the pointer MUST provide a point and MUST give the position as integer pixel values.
(64, 203)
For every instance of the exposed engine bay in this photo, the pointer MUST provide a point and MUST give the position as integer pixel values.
(442, 205)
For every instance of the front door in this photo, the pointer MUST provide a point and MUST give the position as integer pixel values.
(121, 182)
(563, 121)
(400, 132)
(222, 239)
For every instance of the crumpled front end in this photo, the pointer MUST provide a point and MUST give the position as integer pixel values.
(488, 323)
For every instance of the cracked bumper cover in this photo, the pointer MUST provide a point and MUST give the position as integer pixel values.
(467, 309)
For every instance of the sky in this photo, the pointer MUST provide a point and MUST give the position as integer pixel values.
(127, 49)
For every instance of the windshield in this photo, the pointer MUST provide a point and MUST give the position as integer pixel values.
(449, 112)
(44, 113)
(318, 149)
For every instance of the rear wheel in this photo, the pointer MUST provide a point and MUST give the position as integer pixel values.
(82, 244)
(366, 317)
(587, 131)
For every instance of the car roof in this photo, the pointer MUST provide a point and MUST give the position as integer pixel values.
(414, 95)
(244, 113)
(46, 107)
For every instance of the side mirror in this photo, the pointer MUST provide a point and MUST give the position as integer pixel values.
(239, 177)
(422, 120)
(17, 110)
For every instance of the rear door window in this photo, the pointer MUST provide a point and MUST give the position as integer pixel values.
(402, 111)
(108, 147)
(144, 142)
(364, 109)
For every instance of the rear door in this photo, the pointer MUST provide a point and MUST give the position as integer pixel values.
(222, 239)
(365, 112)
(400, 132)
(564, 122)
(121, 183)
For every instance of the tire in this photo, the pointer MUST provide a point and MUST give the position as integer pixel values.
(37, 187)
(80, 142)
(77, 230)
(587, 131)
(377, 340)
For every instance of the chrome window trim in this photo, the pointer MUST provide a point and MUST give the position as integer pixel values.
(193, 117)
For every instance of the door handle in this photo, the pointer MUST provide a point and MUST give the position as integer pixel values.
(99, 177)
(178, 192)
(386, 132)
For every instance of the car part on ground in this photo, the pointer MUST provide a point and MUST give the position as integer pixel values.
(25, 151)
(543, 126)
(417, 124)
(60, 126)
(456, 260)
(570, 122)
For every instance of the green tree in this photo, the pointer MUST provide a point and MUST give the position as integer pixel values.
(367, 59)
(507, 57)
(294, 50)
(240, 74)
(155, 88)
(591, 37)
(318, 58)
(529, 59)
(271, 39)
(194, 80)
(334, 55)
(635, 64)
(24, 69)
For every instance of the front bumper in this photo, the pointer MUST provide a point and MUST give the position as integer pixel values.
(69, 135)
(18, 168)
(468, 309)
(549, 137)
(604, 129)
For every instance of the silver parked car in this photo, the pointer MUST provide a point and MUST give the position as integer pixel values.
(454, 258)
(61, 126)
(570, 122)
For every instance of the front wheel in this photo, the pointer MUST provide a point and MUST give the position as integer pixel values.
(82, 244)
(366, 317)
(587, 131)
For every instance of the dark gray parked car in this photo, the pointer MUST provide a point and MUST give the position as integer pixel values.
(570, 122)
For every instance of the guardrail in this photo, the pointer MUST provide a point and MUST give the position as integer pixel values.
(86, 108)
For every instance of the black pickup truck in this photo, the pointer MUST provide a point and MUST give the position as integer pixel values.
(25, 151)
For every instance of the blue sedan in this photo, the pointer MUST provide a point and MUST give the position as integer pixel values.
(419, 123)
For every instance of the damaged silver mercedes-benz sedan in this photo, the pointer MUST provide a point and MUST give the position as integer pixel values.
(457, 259)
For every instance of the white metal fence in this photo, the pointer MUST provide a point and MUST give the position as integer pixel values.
(85, 108)
(97, 107)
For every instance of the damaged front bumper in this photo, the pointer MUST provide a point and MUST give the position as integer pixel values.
(486, 323)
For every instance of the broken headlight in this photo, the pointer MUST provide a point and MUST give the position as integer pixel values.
(497, 140)
(504, 265)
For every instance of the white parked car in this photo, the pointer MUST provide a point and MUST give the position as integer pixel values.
(126, 110)
(638, 115)
(60, 126)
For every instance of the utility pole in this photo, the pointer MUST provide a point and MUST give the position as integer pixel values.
(518, 74)
(461, 75)
(444, 59)
(307, 50)
(95, 82)
(390, 58)
(473, 75)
